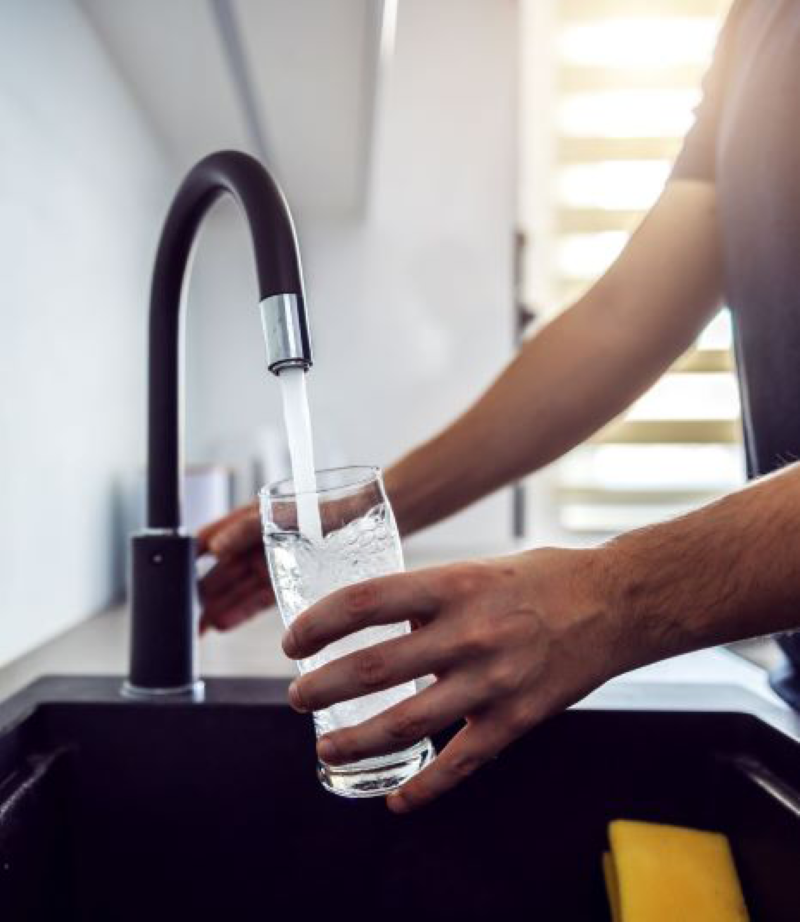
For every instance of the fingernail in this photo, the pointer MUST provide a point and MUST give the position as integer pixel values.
(326, 750)
(294, 698)
(289, 643)
(397, 803)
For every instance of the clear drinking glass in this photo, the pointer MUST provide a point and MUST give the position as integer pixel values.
(360, 540)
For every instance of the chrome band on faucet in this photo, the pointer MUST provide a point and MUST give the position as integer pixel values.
(285, 333)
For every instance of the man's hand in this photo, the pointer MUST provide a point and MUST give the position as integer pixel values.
(509, 640)
(515, 639)
(238, 587)
(574, 376)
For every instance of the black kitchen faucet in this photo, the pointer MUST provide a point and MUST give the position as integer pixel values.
(163, 555)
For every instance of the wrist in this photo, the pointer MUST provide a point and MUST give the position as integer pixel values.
(575, 590)
(397, 494)
(415, 494)
(600, 590)
(605, 593)
(612, 594)
(650, 621)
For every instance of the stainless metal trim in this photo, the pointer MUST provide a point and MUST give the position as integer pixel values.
(283, 332)
(776, 787)
(194, 690)
(161, 533)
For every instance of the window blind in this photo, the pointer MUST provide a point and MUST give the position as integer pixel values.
(627, 77)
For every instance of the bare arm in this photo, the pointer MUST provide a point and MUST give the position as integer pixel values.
(516, 639)
(724, 572)
(582, 369)
(577, 374)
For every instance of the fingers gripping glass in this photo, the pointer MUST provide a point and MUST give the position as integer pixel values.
(360, 540)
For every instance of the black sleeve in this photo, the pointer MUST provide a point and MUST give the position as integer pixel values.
(697, 158)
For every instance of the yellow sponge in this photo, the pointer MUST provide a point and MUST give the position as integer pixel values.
(658, 873)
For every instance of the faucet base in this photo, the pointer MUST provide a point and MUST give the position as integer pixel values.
(164, 622)
(194, 691)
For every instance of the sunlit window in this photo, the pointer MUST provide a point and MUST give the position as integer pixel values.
(586, 256)
(612, 185)
(654, 467)
(718, 334)
(689, 396)
(626, 79)
(630, 43)
(627, 113)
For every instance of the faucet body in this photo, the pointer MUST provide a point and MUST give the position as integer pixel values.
(163, 557)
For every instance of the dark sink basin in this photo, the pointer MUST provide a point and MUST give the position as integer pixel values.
(112, 809)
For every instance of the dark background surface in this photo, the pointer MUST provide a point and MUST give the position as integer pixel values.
(119, 810)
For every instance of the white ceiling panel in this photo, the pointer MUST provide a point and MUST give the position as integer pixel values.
(313, 67)
(172, 59)
(310, 67)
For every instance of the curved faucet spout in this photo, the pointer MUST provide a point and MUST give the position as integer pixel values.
(280, 284)
(162, 655)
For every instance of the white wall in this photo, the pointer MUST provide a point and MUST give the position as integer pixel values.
(411, 309)
(82, 189)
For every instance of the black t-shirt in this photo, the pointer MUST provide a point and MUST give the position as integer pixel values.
(746, 139)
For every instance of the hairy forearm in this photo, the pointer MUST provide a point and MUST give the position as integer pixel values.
(724, 572)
